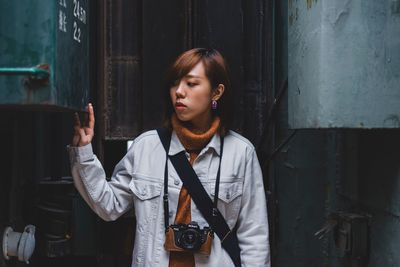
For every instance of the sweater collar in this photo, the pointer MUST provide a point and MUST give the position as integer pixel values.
(177, 147)
(181, 137)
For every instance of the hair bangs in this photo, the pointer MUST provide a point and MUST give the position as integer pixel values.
(181, 67)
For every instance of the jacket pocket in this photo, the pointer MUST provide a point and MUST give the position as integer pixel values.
(229, 200)
(147, 202)
(228, 191)
(145, 190)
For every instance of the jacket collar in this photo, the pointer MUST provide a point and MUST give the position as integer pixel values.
(176, 145)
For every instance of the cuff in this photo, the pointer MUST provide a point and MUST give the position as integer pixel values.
(80, 153)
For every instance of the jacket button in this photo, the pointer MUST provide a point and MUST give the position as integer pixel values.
(144, 192)
(228, 195)
(176, 182)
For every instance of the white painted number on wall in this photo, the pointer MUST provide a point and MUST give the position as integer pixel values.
(77, 32)
(80, 14)
(63, 3)
(62, 21)
(79, 11)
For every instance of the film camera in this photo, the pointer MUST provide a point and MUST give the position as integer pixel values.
(188, 237)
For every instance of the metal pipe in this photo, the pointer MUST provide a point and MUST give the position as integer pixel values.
(38, 73)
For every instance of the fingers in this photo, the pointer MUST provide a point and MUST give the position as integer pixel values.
(85, 138)
(75, 140)
(89, 122)
(83, 134)
(77, 121)
(91, 116)
(77, 126)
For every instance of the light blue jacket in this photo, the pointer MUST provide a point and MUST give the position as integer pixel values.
(137, 181)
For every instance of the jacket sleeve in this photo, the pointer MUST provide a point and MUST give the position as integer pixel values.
(252, 225)
(108, 199)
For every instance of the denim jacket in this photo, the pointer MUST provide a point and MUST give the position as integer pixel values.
(137, 181)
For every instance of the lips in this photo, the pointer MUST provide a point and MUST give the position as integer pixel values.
(180, 105)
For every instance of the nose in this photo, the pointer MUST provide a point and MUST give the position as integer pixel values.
(180, 90)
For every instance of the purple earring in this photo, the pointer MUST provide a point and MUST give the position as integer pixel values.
(214, 104)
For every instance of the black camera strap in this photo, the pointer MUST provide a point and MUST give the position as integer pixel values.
(199, 195)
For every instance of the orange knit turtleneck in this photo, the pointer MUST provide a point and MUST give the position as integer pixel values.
(193, 143)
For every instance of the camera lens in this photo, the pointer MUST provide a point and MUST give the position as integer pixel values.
(190, 239)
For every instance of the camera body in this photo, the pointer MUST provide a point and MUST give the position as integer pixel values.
(189, 238)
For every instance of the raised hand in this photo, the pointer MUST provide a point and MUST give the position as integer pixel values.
(83, 134)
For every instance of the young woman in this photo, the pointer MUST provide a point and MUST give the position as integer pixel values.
(198, 117)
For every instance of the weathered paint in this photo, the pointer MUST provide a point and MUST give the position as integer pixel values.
(344, 64)
(310, 3)
(52, 33)
(337, 170)
(305, 197)
(306, 174)
(299, 178)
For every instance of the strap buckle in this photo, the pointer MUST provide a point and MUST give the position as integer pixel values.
(165, 197)
(214, 212)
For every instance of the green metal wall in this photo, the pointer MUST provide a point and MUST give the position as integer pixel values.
(344, 59)
(323, 171)
(53, 35)
(303, 174)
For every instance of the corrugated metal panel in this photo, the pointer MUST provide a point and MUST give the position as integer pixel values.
(243, 35)
(143, 37)
(141, 40)
(344, 64)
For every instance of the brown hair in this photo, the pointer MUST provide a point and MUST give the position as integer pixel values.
(217, 73)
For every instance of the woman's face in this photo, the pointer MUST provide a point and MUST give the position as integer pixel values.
(192, 95)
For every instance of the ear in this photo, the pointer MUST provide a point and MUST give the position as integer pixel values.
(218, 92)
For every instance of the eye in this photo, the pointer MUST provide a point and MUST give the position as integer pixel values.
(191, 84)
